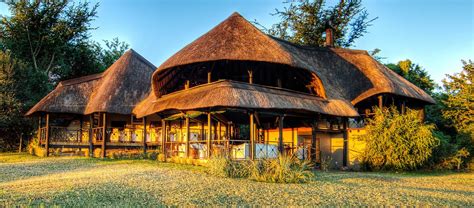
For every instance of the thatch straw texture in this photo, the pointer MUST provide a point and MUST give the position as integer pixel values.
(117, 90)
(347, 74)
(70, 96)
(226, 93)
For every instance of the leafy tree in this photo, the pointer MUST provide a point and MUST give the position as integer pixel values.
(459, 102)
(114, 49)
(12, 123)
(41, 43)
(415, 74)
(397, 141)
(459, 105)
(43, 33)
(305, 21)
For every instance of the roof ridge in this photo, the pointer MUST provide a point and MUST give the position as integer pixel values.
(81, 79)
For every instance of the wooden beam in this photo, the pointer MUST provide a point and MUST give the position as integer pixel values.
(104, 136)
(80, 128)
(144, 135)
(219, 132)
(345, 143)
(39, 128)
(380, 99)
(252, 137)
(187, 136)
(280, 134)
(314, 127)
(163, 137)
(91, 144)
(47, 135)
(209, 126)
(250, 76)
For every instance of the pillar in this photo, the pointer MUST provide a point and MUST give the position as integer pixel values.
(209, 77)
(380, 99)
(47, 135)
(144, 135)
(163, 137)
(345, 144)
(104, 135)
(187, 136)
(280, 134)
(314, 127)
(252, 138)
(209, 126)
(91, 144)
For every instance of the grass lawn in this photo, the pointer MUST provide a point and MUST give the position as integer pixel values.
(74, 181)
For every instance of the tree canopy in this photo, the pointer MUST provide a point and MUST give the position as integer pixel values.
(459, 99)
(42, 43)
(415, 74)
(305, 21)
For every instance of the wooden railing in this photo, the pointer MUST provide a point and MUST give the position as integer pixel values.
(66, 135)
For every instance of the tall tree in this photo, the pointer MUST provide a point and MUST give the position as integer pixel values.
(459, 100)
(305, 21)
(415, 74)
(43, 33)
(43, 42)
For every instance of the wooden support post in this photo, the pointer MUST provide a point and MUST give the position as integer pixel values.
(104, 135)
(252, 138)
(186, 85)
(380, 99)
(345, 143)
(47, 135)
(144, 135)
(187, 136)
(80, 129)
(219, 132)
(279, 84)
(403, 107)
(209, 126)
(280, 135)
(39, 129)
(209, 77)
(163, 137)
(250, 76)
(21, 142)
(91, 144)
(314, 127)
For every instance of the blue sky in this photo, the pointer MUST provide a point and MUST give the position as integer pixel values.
(436, 34)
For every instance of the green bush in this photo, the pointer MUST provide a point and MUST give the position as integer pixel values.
(281, 170)
(224, 167)
(284, 169)
(397, 141)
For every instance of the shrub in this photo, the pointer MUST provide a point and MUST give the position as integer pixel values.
(161, 157)
(224, 167)
(455, 161)
(397, 141)
(326, 163)
(284, 169)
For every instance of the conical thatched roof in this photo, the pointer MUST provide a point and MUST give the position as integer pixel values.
(124, 84)
(347, 74)
(233, 94)
(117, 90)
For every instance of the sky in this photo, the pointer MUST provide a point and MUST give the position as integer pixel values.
(435, 34)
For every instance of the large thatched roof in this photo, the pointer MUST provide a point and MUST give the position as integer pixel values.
(117, 90)
(226, 93)
(352, 75)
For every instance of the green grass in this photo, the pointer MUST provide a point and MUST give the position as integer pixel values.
(74, 181)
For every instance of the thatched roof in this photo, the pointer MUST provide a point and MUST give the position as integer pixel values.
(117, 90)
(347, 74)
(233, 94)
(123, 85)
(70, 96)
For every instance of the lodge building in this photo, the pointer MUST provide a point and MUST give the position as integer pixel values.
(234, 92)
